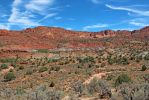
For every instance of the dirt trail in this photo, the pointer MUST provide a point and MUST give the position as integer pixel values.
(99, 76)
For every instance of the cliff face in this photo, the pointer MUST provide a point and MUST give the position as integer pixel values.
(50, 38)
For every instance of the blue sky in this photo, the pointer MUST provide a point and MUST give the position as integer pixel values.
(82, 15)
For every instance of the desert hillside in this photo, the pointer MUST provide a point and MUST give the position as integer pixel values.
(54, 38)
(47, 63)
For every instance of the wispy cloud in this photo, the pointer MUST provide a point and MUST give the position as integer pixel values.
(129, 9)
(48, 16)
(95, 26)
(21, 18)
(107, 1)
(130, 29)
(23, 13)
(39, 6)
(139, 22)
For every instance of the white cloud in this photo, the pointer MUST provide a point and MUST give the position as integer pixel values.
(23, 13)
(16, 3)
(38, 5)
(129, 9)
(137, 23)
(95, 26)
(95, 1)
(69, 28)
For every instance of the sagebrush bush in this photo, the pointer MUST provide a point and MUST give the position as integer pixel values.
(78, 87)
(43, 93)
(135, 91)
(99, 87)
(54, 95)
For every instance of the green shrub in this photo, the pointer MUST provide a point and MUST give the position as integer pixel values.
(43, 51)
(146, 57)
(111, 60)
(52, 60)
(144, 68)
(124, 78)
(8, 60)
(4, 66)
(43, 69)
(55, 68)
(52, 84)
(110, 77)
(86, 60)
(9, 76)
